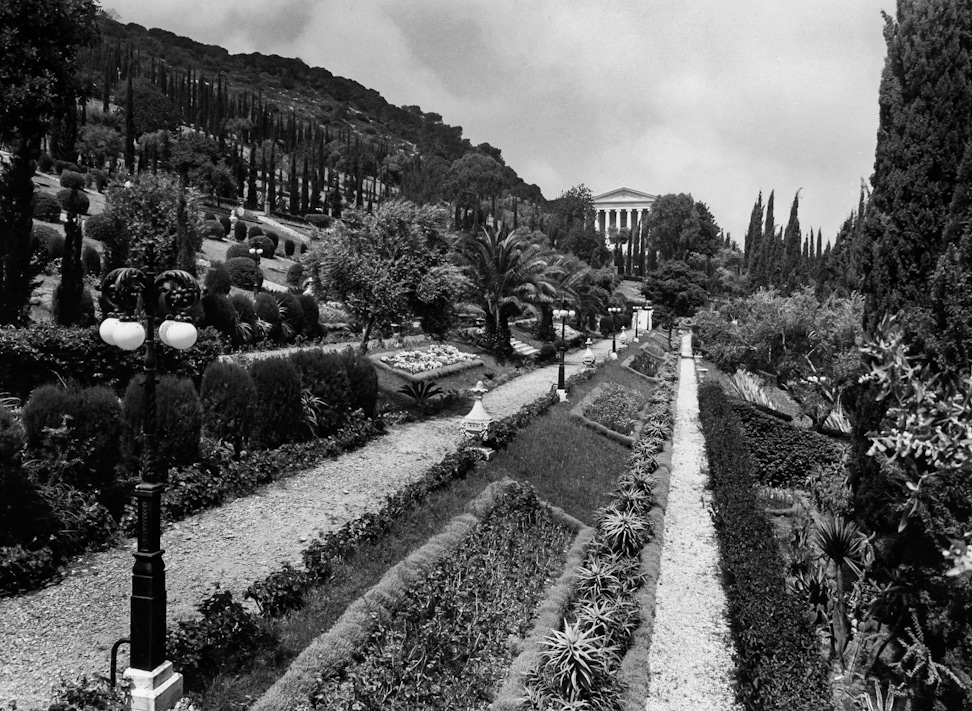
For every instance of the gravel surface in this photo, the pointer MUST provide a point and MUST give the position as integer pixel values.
(690, 659)
(68, 628)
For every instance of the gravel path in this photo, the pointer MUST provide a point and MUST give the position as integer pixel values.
(68, 628)
(690, 659)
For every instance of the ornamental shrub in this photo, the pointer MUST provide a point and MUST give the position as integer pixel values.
(72, 180)
(291, 314)
(100, 179)
(240, 233)
(324, 375)
(606, 326)
(220, 314)
(24, 515)
(295, 274)
(783, 455)
(228, 398)
(273, 237)
(46, 207)
(86, 309)
(91, 261)
(244, 273)
(178, 421)
(312, 315)
(254, 230)
(244, 308)
(267, 310)
(288, 247)
(100, 430)
(278, 411)
(265, 243)
(46, 408)
(73, 201)
(208, 216)
(235, 251)
(227, 225)
(59, 166)
(363, 380)
(211, 229)
(100, 227)
(218, 279)
(47, 243)
(547, 353)
(318, 220)
(45, 163)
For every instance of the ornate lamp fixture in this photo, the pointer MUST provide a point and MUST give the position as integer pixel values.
(614, 311)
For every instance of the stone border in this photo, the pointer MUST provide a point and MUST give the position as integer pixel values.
(577, 411)
(626, 363)
(334, 649)
(442, 372)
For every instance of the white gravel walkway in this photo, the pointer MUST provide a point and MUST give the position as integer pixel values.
(690, 660)
(68, 628)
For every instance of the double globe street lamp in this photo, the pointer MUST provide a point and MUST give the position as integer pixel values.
(614, 311)
(154, 684)
(255, 252)
(563, 314)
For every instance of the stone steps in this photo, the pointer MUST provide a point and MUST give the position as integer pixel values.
(524, 349)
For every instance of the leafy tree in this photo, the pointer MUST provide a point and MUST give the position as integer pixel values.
(678, 289)
(471, 179)
(388, 266)
(38, 48)
(153, 110)
(98, 142)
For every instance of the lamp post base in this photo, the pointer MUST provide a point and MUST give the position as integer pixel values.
(562, 394)
(156, 690)
(614, 355)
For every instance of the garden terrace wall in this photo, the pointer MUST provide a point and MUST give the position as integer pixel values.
(778, 660)
(335, 648)
(783, 455)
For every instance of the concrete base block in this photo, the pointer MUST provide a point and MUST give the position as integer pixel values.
(613, 355)
(562, 394)
(156, 690)
(485, 452)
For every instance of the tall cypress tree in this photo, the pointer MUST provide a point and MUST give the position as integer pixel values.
(792, 239)
(753, 234)
(251, 189)
(305, 188)
(767, 251)
(129, 126)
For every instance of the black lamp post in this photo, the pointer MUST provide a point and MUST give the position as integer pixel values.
(255, 252)
(125, 290)
(614, 311)
(562, 313)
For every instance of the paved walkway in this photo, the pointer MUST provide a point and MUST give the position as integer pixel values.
(690, 660)
(68, 628)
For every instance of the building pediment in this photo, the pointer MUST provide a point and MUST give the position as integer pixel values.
(623, 196)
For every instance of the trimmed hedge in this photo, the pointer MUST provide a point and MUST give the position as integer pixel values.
(46, 207)
(783, 455)
(72, 180)
(73, 201)
(279, 415)
(778, 659)
(244, 273)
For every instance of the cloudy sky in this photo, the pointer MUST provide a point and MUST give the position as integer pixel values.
(718, 98)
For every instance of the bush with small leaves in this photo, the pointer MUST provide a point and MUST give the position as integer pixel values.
(86, 310)
(224, 220)
(220, 314)
(273, 237)
(278, 412)
(91, 260)
(178, 421)
(45, 163)
(363, 379)
(73, 201)
(324, 375)
(288, 247)
(546, 353)
(211, 229)
(72, 180)
(218, 280)
(228, 399)
(235, 251)
(318, 220)
(240, 231)
(291, 314)
(254, 230)
(101, 228)
(295, 274)
(59, 166)
(208, 216)
(46, 242)
(244, 273)
(312, 315)
(100, 179)
(267, 310)
(265, 243)
(244, 308)
(46, 207)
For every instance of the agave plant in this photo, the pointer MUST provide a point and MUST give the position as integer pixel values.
(634, 499)
(599, 576)
(421, 391)
(750, 389)
(842, 544)
(880, 702)
(576, 658)
(624, 531)
(312, 406)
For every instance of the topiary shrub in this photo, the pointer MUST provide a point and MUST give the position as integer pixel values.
(234, 251)
(547, 353)
(606, 326)
(254, 230)
(46, 408)
(91, 260)
(86, 310)
(47, 243)
(244, 308)
(244, 273)
(208, 216)
(45, 163)
(228, 398)
(291, 315)
(59, 166)
(220, 314)
(178, 421)
(312, 315)
(46, 207)
(273, 237)
(295, 275)
(72, 180)
(267, 310)
(100, 430)
(227, 225)
(240, 231)
(211, 229)
(100, 228)
(318, 220)
(24, 515)
(363, 381)
(278, 412)
(218, 279)
(73, 201)
(265, 243)
(289, 247)
(100, 179)
(324, 375)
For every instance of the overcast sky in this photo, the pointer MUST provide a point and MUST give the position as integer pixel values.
(718, 98)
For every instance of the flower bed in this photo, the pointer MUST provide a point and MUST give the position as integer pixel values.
(436, 631)
(613, 410)
(434, 362)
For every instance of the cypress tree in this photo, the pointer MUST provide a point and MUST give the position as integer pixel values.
(305, 188)
(790, 259)
(292, 187)
(767, 250)
(129, 127)
(753, 234)
(251, 189)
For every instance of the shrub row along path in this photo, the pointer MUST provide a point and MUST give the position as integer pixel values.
(690, 660)
(68, 628)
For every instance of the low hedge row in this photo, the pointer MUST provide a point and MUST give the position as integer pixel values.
(783, 455)
(778, 660)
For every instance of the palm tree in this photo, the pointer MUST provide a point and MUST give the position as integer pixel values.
(505, 272)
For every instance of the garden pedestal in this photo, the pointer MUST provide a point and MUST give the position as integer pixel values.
(156, 690)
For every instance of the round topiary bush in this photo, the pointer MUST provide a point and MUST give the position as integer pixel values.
(91, 260)
(323, 374)
(59, 166)
(73, 201)
(244, 273)
(48, 241)
(46, 207)
(265, 243)
(101, 228)
(606, 325)
(278, 414)
(240, 231)
(211, 229)
(72, 180)
(291, 315)
(547, 353)
(238, 250)
(273, 237)
(254, 230)
(207, 216)
(244, 308)
(224, 220)
(45, 163)
(178, 421)
(220, 314)
(218, 279)
(73, 167)
(318, 220)
(46, 409)
(267, 310)
(228, 399)
(295, 274)
(100, 179)
(289, 247)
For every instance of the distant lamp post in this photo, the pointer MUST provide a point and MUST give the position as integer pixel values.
(155, 687)
(563, 314)
(589, 358)
(255, 252)
(614, 311)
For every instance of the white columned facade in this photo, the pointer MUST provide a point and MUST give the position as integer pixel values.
(630, 208)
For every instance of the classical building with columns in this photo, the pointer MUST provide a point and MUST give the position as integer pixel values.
(621, 207)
